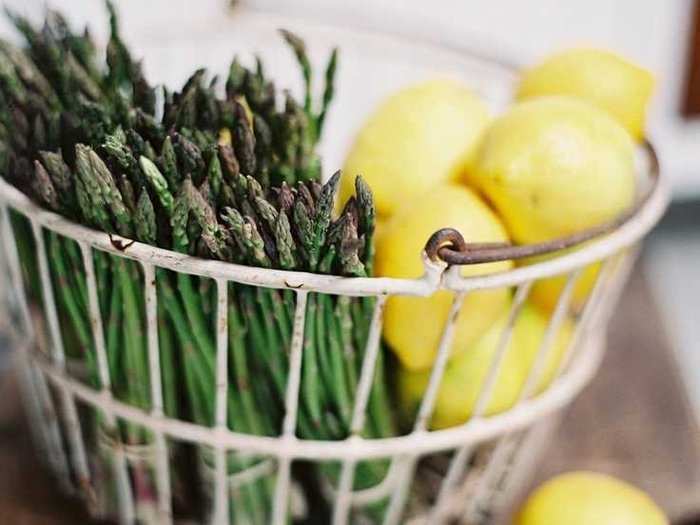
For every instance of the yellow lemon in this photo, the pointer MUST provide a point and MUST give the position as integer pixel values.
(466, 373)
(420, 136)
(554, 166)
(545, 292)
(413, 325)
(605, 79)
(379, 228)
(585, 498)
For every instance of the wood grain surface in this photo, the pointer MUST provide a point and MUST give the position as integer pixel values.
(633, 421)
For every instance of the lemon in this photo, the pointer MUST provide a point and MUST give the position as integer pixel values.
(413, 325)
(584, 498)
(466, 373)
(554, 166)
(420, 136)
(379, 227)
(600, 77)
(545, 292)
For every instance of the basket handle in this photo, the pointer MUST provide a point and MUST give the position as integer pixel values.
(449, 246)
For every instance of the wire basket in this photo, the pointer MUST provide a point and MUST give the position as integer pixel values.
(466, 473)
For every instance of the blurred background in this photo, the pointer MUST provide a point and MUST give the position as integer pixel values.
(661, 323)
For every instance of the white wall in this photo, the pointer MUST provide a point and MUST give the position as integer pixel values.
(652, 32)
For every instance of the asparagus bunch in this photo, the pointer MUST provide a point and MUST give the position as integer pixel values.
(232, 178)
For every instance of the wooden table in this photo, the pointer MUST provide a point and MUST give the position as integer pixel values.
(633, 421)
(27, 493)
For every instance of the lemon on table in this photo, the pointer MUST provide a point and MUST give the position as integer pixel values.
(586, 498)
(420, 136)
(554, 166)
(603, 78)
(413, 325)
(466, 373)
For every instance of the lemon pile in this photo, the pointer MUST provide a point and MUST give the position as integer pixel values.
(559, 160)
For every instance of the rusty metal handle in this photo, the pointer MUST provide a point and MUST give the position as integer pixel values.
(448, 244)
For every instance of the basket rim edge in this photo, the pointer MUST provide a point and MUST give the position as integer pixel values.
(432, 280)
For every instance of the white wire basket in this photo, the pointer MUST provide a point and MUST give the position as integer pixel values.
(471, 470)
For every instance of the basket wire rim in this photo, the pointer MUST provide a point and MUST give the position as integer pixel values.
(433, 279)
